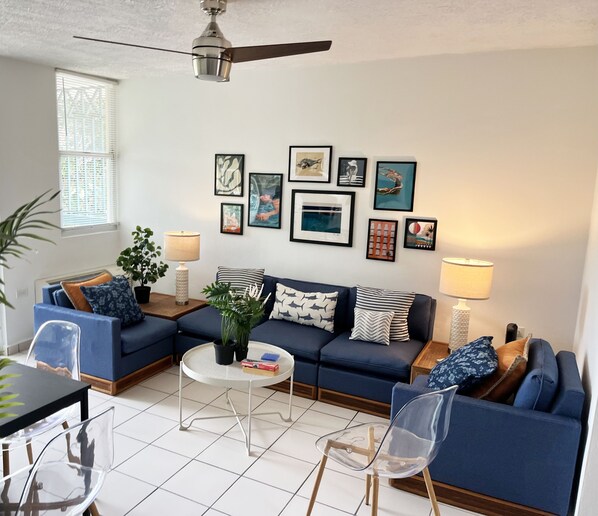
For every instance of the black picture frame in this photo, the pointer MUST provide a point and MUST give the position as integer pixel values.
(351, 172)
(322, 217)
(265, 200)
(228, 174)
(420, 233)
(310, 163)
(231, 218)
(382, 240)
(394, 185)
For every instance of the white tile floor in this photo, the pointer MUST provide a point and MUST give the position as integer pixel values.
(159, 469)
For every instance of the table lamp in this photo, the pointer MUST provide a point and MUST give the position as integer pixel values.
(181, 246)
(464, 278)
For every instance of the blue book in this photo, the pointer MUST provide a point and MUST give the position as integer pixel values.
(270, 357)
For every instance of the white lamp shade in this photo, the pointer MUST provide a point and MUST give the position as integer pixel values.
(466, 278)
(181, 246)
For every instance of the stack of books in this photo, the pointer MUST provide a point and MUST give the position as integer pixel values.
(260, 367)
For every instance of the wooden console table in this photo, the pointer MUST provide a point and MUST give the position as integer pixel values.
(163, 305)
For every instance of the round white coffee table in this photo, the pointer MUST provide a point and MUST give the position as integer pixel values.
(199, 364)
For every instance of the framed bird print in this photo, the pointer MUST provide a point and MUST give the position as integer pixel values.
(310, 164)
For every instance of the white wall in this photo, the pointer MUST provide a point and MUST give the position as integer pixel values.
(505, 145)
(28, 167)
(586, 338)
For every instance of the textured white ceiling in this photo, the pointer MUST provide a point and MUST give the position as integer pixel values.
(361, 30)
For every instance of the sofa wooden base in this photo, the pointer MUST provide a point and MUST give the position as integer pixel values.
(303, 390)
(376, 408)
(466, 499)
(112, 388)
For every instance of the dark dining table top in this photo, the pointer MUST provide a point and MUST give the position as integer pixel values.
(42, 394)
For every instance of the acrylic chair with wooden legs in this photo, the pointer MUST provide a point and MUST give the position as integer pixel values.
(54, 348)
(399, 450)
(68, 474)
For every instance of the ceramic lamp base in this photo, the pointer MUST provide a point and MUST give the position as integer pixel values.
(182, 285)
(459, 326)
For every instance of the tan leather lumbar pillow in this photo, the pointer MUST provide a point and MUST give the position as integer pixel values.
(512, 364)
(73, 291)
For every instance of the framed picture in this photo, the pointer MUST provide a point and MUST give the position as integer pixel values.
(320, 217)
(351, 172)
(265, 200)
(420, 234)
(382, 240)
(395, 185)
(229, 174)
(310, 164)
(231, 218)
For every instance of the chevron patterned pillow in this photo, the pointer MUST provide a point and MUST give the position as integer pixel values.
(307, 308)
(383, 300)
(372, 326)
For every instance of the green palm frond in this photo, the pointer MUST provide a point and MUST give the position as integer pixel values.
(24, 223)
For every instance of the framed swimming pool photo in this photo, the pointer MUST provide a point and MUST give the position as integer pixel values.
(322, 217)
(265, 200)
(395, 185)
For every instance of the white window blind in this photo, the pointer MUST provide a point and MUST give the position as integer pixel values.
(87, 145)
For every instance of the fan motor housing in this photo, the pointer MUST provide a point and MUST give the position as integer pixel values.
(210, 60)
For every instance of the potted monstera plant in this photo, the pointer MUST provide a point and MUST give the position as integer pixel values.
(140, 263)
(241, 311)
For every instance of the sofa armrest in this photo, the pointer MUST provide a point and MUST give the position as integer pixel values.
(570, 395)
(524, 456)
(100, 348)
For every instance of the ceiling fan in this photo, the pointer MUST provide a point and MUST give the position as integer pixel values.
(213, 55)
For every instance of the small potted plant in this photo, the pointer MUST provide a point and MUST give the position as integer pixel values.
(139, 262)
(240, 311)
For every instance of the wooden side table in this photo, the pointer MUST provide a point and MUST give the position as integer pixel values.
(428, 358)
(163, 305)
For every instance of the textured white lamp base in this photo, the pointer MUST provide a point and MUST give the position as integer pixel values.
(459, 326)
(182, 284)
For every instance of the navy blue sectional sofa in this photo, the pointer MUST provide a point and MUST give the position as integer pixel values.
(524, 454)
(112, 358)
(329, 366)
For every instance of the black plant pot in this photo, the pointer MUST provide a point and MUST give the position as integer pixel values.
(142, 294)
(224, 354)
(240, 353)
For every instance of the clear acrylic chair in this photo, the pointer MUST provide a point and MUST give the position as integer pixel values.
(400, 450)
(54, 348)
(68, 474)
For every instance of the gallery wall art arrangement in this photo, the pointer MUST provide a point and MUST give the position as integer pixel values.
(325, 216)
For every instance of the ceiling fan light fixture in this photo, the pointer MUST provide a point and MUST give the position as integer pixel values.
(210, 60)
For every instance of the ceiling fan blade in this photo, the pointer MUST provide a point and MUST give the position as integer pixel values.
(242, 54)
(136, 46)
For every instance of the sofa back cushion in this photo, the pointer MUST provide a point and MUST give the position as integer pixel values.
(340, 316)
(73, 289)
(420, 320)
(541, 380)
(61, 299)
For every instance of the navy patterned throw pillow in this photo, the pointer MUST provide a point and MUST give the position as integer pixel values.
(114, 299)
(465, 367)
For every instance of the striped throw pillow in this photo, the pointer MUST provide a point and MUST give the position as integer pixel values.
(240, 279)
(372, 326)
(382, 300)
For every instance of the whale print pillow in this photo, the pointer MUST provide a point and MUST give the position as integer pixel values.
(307, 308)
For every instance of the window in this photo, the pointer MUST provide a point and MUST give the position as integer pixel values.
(87, 146)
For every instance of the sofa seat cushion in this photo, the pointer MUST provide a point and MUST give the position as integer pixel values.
(205, 323)
(539, 386)
(146, 333)
(300, 341)
(392, 361)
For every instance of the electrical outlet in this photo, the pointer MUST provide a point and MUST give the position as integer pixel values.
(22, 292)
(521, 332)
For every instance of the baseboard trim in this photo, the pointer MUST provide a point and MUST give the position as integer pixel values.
(465, 499)
(303, 390)
(122, 384)
(376, 408)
